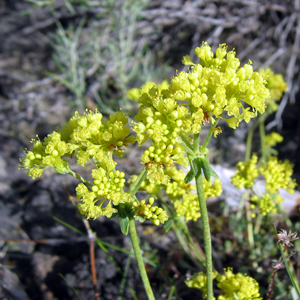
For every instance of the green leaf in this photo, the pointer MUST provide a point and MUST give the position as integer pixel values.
(140, 218)
(168, 225)
(124, 223)
(188, 148)
(197, 165)
(189, 176)
(207, 169)
(213, 173)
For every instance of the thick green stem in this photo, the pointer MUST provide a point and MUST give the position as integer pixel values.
(139, 260)
(206, 233)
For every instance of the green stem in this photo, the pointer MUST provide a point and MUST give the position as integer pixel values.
(211, 130)
(258, 224)
(196, 143)
(72, 173)
(249, 141)
(172, 291)
(259, 122)
(192, 244)
(262, 135)
(139, 260)
(186, 145)
(206, 233)
(249, 224)
(124, 278)
(137, 183)
(181, 239)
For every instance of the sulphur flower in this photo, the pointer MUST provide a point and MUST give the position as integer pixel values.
(233, 286)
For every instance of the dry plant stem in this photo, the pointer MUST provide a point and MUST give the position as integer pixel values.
(206, 233)
(139, 259)
(271, 285)
(93, 268)
(91, 236)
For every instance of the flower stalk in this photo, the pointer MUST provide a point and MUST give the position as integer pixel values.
(207, 236)
(139, 259)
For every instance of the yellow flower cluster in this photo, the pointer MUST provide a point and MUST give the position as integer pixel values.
(273, 138)
(212, 188)
(246, 173)
(147, 211)
(179, 193)
(199, 282)
(233, 286)
(189, 205)
(107, 186)
(47, 154)
(87, 137)
(238, 286)
(176, 187)
(266, 203)
(217, 85)
(276, 85)
(135, 93)
(278, 175)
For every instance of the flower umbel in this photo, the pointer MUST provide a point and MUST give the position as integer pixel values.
(147, 211)
(233, 286)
